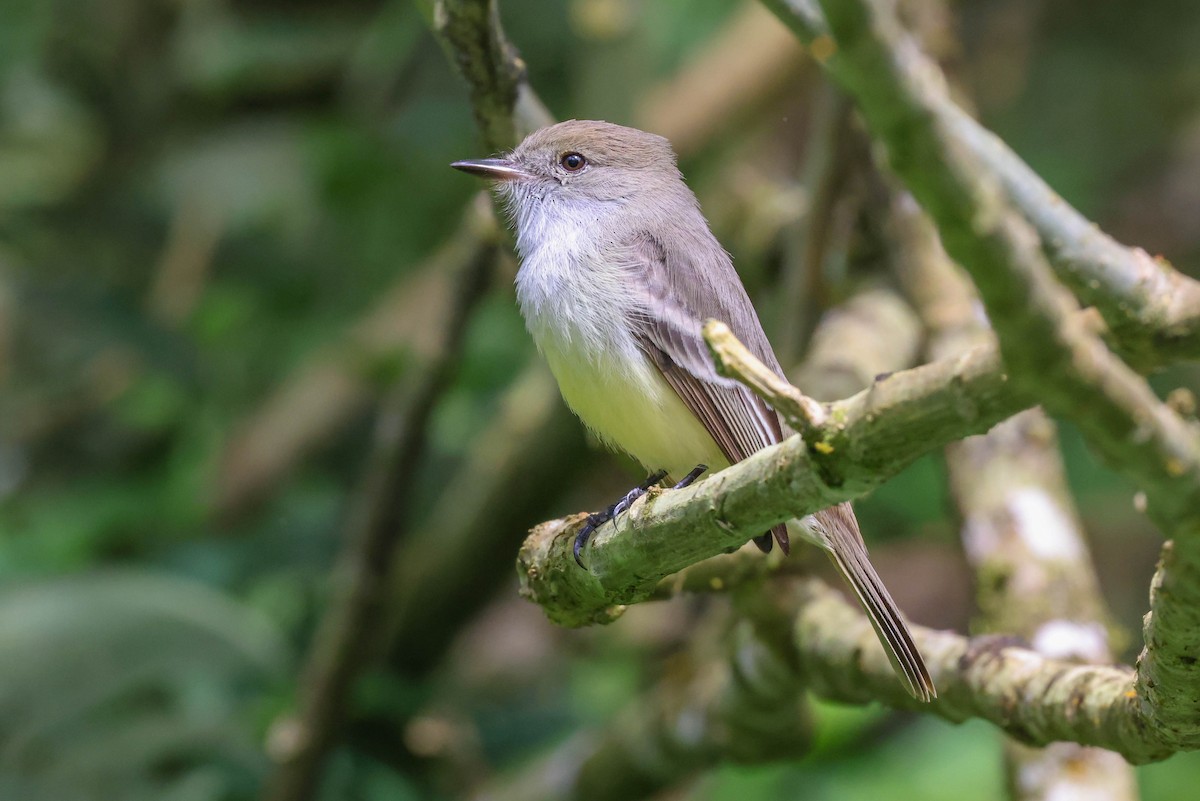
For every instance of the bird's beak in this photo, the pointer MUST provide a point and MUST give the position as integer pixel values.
(495, 169)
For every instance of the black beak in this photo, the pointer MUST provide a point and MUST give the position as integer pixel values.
(495, 169)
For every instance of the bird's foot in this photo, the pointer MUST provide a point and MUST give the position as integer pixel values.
(597, 519)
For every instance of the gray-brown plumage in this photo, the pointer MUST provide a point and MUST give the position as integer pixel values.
(619, 271)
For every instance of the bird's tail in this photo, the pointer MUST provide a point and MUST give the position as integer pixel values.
(843, 542)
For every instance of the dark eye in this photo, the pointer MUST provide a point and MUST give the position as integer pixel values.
(573, 162)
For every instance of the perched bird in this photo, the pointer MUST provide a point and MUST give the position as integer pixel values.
(619, 271)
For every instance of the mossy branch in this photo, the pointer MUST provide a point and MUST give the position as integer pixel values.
(851, 446)
(1152, 309)
(1072, 372)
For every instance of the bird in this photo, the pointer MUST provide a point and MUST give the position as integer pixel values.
(618, 272)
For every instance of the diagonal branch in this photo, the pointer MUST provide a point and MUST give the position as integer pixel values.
(1042, 342)
(1034, 699)
(1020, 529)
(470, 33)
(1152, 309)
(853, 446)
(349, 627)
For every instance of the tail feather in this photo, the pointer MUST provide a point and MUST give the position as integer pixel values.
(846, 549)
(889, 626)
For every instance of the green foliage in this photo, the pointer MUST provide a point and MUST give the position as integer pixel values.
(131, 685)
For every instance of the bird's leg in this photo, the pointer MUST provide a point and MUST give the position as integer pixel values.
(598, 519)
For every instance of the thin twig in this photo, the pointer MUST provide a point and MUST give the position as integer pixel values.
(734, 361)
(342, 645)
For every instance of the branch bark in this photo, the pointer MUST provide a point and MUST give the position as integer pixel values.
(742, 703)
(1033, 699)
(1152, 309)
(852, 446)
(897, 89)
(1020, 530)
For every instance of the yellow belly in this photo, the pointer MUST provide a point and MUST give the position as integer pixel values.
(630, 406)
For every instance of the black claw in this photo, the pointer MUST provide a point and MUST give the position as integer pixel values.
(696, 472)
(622, 505)
(598, 519)
(594, 522)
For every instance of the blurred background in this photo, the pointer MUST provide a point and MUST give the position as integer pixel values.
(229, 238)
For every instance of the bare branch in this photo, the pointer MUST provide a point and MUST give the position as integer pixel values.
(1153, 310)
(1020, 530)
(518, 467)
(1048, 350)
(470, 33)
(735, 361)
(1034, 699)
(860, 443)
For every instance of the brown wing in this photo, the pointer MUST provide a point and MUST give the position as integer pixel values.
(740, 422)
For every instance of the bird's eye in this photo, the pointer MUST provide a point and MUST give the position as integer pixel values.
(573, 162)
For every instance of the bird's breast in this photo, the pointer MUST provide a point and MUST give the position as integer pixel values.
(581, 309)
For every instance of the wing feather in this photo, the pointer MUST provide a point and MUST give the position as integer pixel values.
(739, 422)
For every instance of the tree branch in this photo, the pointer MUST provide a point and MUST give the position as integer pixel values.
(1153, 310)
(1042, 342)
(852, 446)
(342, 645)
(1034, 699)
(1020, 530)
(517, 468)
(742, 703)
(470, 33)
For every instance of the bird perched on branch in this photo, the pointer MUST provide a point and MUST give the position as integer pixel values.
(619, 271)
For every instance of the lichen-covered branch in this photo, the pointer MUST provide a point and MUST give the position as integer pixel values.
(741, 697)
(1049, 353)
(849, 447)
(852, 446)
(470, 33)
(1020, 530)
(1034, 699)
(1153, 310)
